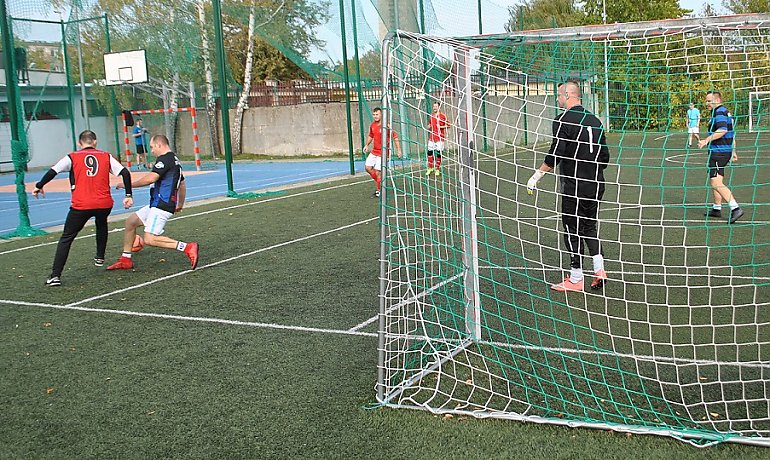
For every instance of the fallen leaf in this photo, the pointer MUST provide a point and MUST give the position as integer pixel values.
(50, 391)
(47, 324)
(715, 415)
(152, 412)
(448, 416)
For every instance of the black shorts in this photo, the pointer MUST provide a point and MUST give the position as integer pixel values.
(717, 163)
(140, 149)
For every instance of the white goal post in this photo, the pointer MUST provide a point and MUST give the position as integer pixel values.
(677, 343)
(759, 111)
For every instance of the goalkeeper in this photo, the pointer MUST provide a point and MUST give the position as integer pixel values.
(579, 148)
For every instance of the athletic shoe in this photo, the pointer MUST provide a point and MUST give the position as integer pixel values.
(567, 285)
(429, 172)
(437, 172)
(98, 262)
(376, 194)
(735, 214)
(192, 253)
(713, 213)
(600, 279)
(124, 263)
(53, 281)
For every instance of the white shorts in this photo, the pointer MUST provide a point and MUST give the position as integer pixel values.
(154, 219)
(694, 130)
(374, 161)
(438, 145)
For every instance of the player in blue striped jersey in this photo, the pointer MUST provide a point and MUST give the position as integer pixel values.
(721, 151)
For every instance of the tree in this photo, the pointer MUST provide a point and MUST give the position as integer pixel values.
(633, 10)
(747, 6)
(545, 14)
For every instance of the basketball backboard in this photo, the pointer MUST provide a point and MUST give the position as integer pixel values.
(125, 67)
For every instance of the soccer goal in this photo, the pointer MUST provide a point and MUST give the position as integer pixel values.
(128, 137)
(677, 343)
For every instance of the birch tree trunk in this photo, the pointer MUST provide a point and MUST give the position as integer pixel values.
(243, 99)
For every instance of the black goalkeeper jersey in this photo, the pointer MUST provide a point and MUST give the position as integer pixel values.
(579, 149)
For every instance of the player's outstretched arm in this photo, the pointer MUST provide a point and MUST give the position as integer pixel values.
(181, 194)
(539, 173)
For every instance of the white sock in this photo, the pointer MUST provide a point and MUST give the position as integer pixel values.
(733, 204)
(180, 246)
(716, 207)
(598, 262)
(127, 254)
(576, 275)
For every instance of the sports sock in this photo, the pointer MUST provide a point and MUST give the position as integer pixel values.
(180, 245)
(438, 162)
(598, 262)
(576, 275)
(734, 204)
(378, 180)
(127, 254)
(430, 161)
(716, 207)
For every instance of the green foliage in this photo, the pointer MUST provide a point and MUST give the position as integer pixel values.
(285, 34)
(747, 6)
(633, 10)
(545, 14)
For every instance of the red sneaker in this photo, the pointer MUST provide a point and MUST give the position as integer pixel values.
(124, 263)
(192, 253)
(567, 286)
(600, 279)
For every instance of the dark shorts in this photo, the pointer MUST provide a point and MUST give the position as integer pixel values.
(140, 149)
(717, 163)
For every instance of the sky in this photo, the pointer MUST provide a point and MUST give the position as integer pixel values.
(494, 23)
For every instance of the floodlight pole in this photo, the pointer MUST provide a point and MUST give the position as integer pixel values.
(13, 105)
(358, 72)
(346, 75)
(228, 146)
(113, 102)
(83, 96)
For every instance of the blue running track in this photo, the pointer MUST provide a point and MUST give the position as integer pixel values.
(52, 210)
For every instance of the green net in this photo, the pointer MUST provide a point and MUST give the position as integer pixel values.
(676, 342)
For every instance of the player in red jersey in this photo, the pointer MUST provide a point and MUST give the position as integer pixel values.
(438, 126)
(89, 170)
(374, 159)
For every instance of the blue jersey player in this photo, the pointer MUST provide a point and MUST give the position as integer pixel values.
(167, 194)
(721, 151)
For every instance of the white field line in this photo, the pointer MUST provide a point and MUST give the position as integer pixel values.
(403, 302)
(220, 262)
(191, 318)
(202, 213)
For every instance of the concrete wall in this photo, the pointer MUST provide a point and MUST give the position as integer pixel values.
(49, 140)
(307, 129)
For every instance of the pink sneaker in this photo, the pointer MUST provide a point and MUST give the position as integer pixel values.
(600, 279)
(567, 285)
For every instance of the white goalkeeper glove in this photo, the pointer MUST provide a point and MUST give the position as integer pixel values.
(532, 183)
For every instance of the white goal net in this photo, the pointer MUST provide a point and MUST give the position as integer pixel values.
(678, 340)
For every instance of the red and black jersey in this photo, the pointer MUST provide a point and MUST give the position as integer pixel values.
(89, 170)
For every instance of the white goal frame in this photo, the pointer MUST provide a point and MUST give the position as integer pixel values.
(752, 96)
